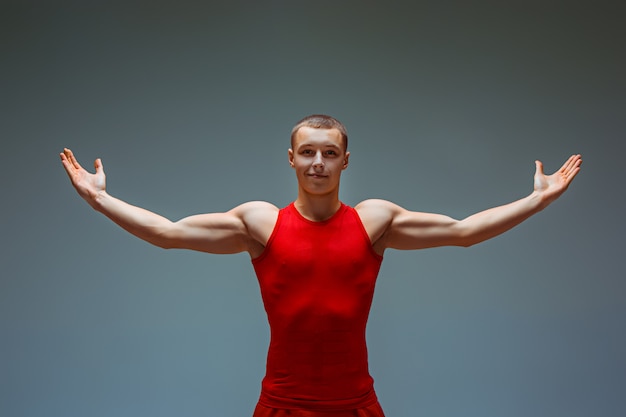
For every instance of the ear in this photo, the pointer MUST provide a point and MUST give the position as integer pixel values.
(345, 160)
(290, 153)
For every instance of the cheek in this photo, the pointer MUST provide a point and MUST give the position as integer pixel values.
(300, 163)
(299, 167)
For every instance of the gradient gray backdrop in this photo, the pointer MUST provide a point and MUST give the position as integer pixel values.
(190, 106)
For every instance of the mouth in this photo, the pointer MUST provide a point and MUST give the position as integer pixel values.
(317, 175)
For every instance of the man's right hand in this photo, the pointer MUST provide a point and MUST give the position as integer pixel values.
(246, 227)
(88, 185)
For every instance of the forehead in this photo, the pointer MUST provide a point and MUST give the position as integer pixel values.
(317, 137)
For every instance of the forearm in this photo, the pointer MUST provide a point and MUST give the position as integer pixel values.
(142, 223)
(495, 221)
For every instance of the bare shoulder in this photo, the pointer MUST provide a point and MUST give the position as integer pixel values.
(259, 218)
(257, 213)
(376, 216)
(261, 208)
(376, 208)
(382, 210)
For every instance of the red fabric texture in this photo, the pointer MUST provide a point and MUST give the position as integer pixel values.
(373, 410)
(317, 282)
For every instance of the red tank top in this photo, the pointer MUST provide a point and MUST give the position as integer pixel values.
(317, 282)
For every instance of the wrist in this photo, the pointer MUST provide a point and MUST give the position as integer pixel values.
(98, 200)
(539, 200)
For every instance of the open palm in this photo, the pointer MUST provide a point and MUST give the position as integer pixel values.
(552, 186)
(87, 184)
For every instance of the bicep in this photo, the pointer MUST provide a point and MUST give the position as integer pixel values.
(416, 230)
(219, 233)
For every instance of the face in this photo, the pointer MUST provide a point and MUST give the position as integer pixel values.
(318, 157)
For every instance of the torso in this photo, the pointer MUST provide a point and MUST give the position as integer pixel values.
(261, 220)
(317, 281)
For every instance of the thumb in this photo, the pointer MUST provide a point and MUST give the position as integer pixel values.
(538, 168)
(98, 166)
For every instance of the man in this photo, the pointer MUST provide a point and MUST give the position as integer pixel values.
(317, 261)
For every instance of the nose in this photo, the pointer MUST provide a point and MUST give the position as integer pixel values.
(318, 162)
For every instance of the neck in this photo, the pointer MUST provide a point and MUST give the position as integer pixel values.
(317, 208)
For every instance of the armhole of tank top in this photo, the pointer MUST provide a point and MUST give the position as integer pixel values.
(365, 235)
(271, 238)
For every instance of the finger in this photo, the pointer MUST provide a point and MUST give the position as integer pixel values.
(572, 168)
(72, 159)
(575, 169)
(572, 174)
(538, 168)
(66, 158)
(571, 163)
(66, 163)
(98, 166)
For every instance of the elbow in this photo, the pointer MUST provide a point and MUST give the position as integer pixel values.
(469, 243)
(164, 240)
(474, 239)
(160, 243)
(466, 242)
(468, 238)
(164, 245)
(468, 235)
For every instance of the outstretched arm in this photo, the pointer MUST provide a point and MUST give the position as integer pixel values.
(214, 233)
(413, 230)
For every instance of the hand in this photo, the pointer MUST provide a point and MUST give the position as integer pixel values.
(88, 185)
(552, 186)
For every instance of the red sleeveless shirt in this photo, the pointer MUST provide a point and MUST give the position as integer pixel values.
(317, 283)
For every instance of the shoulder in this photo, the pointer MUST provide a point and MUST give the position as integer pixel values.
(255, 207)
(256, 212)
(378, 208)
(377, 215)
(259, 219)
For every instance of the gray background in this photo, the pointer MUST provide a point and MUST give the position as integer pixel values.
(190, 106)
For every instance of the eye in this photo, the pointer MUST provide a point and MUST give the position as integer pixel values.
(307, 152)
(331, 153)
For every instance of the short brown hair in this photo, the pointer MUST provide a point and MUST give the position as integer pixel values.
(321, 121)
